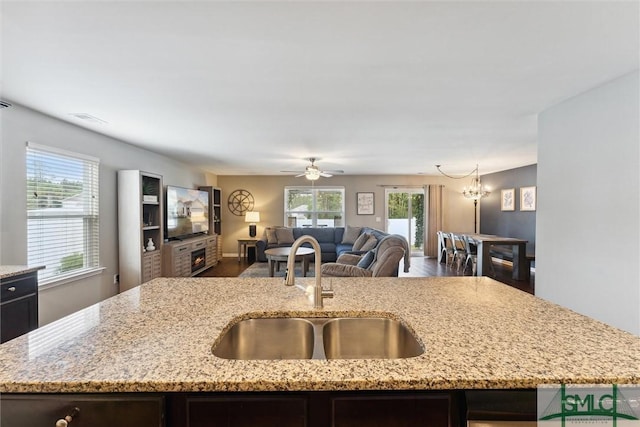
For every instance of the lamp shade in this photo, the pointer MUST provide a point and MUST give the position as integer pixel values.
(252, 216)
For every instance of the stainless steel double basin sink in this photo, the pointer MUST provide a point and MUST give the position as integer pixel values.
(318, 338)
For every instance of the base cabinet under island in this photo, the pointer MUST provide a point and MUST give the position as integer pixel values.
(275, 409)
(264, 409)
(315, 409)
(95, 410)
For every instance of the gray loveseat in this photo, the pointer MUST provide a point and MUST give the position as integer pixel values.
(331, 239)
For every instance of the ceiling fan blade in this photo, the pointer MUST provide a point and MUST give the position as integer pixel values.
(325, 174)
(334, 171)
(302, 174)
(292, 171)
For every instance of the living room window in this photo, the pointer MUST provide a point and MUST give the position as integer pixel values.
(314, 206)
(62, 213)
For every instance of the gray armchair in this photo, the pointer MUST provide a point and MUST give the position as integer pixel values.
(386, 259)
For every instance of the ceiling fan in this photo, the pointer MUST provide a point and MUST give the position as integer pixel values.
(312, 172)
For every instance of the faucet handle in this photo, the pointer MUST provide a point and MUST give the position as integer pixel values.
(328, 293)
(288, 280)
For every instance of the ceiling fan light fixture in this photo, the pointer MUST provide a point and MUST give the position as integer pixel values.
(312, 174)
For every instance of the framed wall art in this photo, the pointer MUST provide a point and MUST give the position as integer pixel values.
(508, 199)
(365, 203)
(528, 198)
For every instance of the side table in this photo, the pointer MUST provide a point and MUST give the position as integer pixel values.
(243, 246)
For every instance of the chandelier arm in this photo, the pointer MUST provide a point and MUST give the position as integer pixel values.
(457, 177)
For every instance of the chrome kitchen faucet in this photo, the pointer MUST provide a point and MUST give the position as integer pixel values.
(318, 294)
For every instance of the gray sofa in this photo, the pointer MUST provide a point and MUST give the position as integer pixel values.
(329, 238)
(381, 262)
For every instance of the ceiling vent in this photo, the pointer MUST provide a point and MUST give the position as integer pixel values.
(4, 104)
(88, 118)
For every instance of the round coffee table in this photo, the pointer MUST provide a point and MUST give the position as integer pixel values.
(277, 255)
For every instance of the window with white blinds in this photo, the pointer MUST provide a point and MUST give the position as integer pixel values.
(62, 212)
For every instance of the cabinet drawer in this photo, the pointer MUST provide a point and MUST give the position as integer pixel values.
(199, 245)
(95, 411)
(18, 286)
(177, 250)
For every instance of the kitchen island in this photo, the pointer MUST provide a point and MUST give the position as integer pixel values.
(477, 334)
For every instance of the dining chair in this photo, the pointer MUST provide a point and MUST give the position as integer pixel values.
(472, 255)
(447, 247)
(459, 251)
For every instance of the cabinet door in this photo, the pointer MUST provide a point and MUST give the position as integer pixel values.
(121, 410)
(18, 317)
(147, 268)
(212, 248)
(246, 412)
(403, 410)
(156, 265)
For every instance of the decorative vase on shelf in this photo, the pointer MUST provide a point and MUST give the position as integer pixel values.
(150, 245)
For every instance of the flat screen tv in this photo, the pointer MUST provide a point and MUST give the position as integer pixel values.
(187, 212)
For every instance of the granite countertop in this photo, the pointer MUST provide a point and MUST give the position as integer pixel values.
(7, 271)
(477, 333)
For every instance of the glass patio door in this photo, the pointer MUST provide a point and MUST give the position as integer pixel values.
(405, 216)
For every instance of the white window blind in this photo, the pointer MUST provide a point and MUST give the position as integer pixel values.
(62, 212)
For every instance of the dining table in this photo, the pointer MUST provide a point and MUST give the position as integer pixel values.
(484, 243)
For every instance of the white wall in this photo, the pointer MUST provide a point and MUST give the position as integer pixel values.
(22, 124)
(588, 219)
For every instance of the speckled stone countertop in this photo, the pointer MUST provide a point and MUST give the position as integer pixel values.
(16, 270)
(477, 333)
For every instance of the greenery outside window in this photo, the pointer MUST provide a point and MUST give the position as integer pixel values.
(314, 206)
(62, 213)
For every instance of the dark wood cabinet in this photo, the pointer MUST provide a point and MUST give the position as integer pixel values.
(264, 409)
(393, 410)
(18, 305)
(107, 410)
(315, 409)
(245, 411)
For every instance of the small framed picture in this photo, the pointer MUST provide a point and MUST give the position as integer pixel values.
(365, 203)
(528, 198)
(508, 199)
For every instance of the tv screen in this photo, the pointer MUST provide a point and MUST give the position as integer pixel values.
(187, 212)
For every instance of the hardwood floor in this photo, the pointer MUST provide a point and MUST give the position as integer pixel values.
(420, 267)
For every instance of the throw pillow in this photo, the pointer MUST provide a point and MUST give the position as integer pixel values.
(350, 234)
(371, 243)
(360, 241)
(285, 236)
(367, 259)
(272, 239)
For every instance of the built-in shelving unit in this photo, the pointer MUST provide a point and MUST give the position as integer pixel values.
(140, 218)
(215, 223)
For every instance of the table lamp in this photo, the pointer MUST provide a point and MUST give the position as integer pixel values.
(252, 217)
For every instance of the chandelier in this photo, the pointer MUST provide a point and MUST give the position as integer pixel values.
(475, 191)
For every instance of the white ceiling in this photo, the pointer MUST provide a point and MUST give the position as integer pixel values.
(367, 87)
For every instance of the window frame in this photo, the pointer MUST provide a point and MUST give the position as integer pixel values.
(314, 212)
(87, 209)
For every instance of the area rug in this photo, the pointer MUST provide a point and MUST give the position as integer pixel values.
(261, 269)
